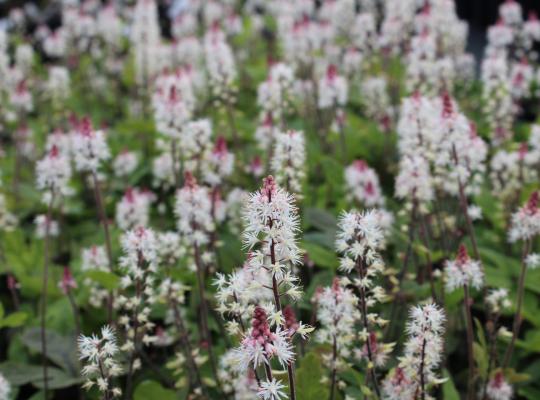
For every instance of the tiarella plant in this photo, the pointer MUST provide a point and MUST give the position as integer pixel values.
(391, 252)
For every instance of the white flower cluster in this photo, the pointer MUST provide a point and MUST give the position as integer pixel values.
(274, 94)
(89, 147)
(497, 300)
(133, 210)
(463, 271)
(422, 355)
(414, 181)
(173, 103)
(332, 89)
(363, 184)
(525, 222)
(271, 224)
(288, 161)
(337, 314)
(220, 65)
(101, 365)
(194, 212)
(145, 39)
(53, 173)
(125, 163)
(139, 264)
(95, 259)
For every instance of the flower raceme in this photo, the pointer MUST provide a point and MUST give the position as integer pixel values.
(463, 271)
(416, 372)
(89, 146)
(525, 222)
(271, 224)
(100, 357)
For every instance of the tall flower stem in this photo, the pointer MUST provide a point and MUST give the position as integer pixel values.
(424, 235)
(76, 314)
(135, 318)
(422, 374)
(184, 339)
(277, 301)
(470, 340)
(204, 313)
(334, 370)
(108, 246)
(363, 309)
(44, 293)
(519, 305)
(464, 209)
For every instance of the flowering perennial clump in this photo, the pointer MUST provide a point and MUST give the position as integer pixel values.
(243, 198)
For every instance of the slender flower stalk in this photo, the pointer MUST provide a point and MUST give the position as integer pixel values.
(53, 173)
(100, 354)
(466, 273)
(270, 234)
(525, 226)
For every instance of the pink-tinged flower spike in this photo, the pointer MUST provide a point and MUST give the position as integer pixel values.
(194, 212)
(90, 148)
(218, 163)
(67, 283)
(239, 385)
(125, 163)
(43, 223)
(498, 107)
(359, 240)
(95, 259)
(288, 161)
(273, 95)
(145, 39)
(398, 386)
(220, 65)
(195, 223)
(416, 372)
(259, 346)
(337, 314)
(139, 266)
(271, 225)
(53, 173)
(525, 223)
(333, 89)
(414, 182)
(511, 13)
(463, 271)
(510, 171)
(363, 184)
(133, 210)
(99, 355)
(376, 101)
(173, 103)
(498, 388)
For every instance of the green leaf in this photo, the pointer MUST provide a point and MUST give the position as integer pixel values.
(106, 279)
(153, 390)
(449, 389)
(19, 374)
(321, 256)
(14, 320)
(320, 219)
(481, 358)
(61, 350)
(308, 379)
